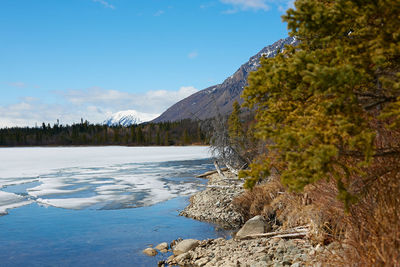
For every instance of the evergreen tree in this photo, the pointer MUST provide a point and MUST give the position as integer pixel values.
(236, 133)
(324, 106)
(116, 138)
(139, 136)
(166, 139)
(105, 130)
(133, 134)
(158, 138)
(185, 137)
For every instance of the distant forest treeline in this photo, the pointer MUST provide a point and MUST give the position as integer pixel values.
(185, 132)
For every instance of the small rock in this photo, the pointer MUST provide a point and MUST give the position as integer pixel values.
(179, 259)
(171, 259)
(185, 246)
(201, 262)
(150, 252)
(162, 246)
(174, 242)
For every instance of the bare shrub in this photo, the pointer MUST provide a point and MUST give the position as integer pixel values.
(257, 201)
(373, 226)
(367, 233)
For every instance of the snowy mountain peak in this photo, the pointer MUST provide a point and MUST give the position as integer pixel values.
(129, 117)
(218, 99)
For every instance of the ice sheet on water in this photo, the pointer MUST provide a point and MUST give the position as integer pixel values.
(32, 162)
(11, 201)
(100, 177)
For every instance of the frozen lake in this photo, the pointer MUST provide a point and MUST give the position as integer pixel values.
(91, 206)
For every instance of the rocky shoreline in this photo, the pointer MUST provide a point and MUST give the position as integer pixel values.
(214, 204)
(254, 245)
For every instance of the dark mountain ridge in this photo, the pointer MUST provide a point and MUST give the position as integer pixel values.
(219, 98)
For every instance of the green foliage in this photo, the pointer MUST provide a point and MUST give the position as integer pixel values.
(185, 137)
(319, 105)
(235, 125)
(258, 171)
(166, 133)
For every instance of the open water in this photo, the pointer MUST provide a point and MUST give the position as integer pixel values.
(96, 206)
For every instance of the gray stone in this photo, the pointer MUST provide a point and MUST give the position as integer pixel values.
(179, 259)
(287, 258)
(171, 259)
(256, 225)
(259, 264)
(185, 246)
(201, 262)
(162, 246)
(303, 257)
(296, 264)
(150, 252)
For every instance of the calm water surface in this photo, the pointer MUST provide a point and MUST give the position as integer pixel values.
(83, 214)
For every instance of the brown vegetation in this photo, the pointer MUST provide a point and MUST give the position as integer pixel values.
(368, 233)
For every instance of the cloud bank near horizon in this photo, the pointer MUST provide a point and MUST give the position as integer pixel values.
(94, 104)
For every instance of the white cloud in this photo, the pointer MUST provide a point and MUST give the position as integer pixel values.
(207, 5)
(286, 5)
(193, 55)
(27, 112)
(104, 3)
(159, 13)
(151, 101)
(17, 84)
(246, 5)
(93, 104)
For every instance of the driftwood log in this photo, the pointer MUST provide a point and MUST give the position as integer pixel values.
(210, 173)
(291, 233)
(219, 170)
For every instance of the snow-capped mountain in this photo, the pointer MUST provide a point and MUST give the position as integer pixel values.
(129, 117)
(219, 98)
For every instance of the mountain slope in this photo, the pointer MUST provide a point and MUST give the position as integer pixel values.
(219, 98)
(128, 117)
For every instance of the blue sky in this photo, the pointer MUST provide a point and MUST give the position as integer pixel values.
(68, 59)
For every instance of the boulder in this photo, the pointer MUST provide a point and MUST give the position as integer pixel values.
(256, 225)
(150, 252)
(185, 246)
(162, 246)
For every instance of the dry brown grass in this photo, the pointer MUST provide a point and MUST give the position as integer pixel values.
(258, 200)
(282, 208)
(368, 234)
(373, 225)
